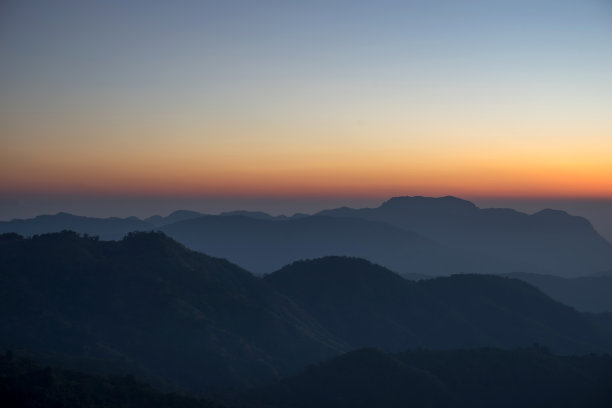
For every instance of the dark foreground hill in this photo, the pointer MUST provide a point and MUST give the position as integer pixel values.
(471, 378)
(484, 378)
(26, 384)
(367, 305)
(550, 241)
(151, 305)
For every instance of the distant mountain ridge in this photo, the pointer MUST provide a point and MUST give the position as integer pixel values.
(106, 228)
(549, 241)
(586, 293)
(263, 245)
(456, 237)
(175, 216)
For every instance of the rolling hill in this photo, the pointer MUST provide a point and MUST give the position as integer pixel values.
(149, 306)
(148, 303)
(264, 245)
(484, 378)
(367, 305)
(586, 293)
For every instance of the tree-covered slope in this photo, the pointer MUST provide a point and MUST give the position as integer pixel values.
(455, 378)
(149, 303)
(24, 384)
(367, 305)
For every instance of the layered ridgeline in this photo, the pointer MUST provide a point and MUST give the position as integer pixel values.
(591, 293)
(431, 236)
(24, 383)
(105, 228)
(445, 379)
(548, 241)
(263, 245)
(365, 378)
(149, 306)
(367, 305)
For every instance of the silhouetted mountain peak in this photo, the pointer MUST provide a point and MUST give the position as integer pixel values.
(548, 212)
(251, 214)
(337, 270)
(175, 216)
(448, 204)
(155, 241)
(154, 302)
(183, 213)
(154, 219)
(558, 218)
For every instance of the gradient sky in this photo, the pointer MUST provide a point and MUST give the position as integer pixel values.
(304, 99)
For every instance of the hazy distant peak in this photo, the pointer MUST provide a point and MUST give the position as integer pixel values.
(252, 214)
(337, 270)
(175, 216)
(336, 261)
(548, 212)
(429, 203)
(154, 219)
(60, 214)
(559, 217)
(183, 213)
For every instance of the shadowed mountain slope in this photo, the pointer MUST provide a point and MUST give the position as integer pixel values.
(26, 384)
(549, 241)
(150, 306)
(368, 305)
(587, 293)
(148, 302)
(462, 378)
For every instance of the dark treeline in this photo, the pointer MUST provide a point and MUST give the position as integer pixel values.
(463, 378)
(365, 378)
(148, 306)
(25, 384)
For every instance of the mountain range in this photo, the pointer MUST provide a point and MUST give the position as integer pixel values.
(549, 241)
(367, 305)
(591, 293)
(148, 305)
(410, 235)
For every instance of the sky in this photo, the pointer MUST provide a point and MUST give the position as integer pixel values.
(149, 106)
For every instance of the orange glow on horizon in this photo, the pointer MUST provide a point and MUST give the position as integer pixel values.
(365, 167)
(321, 181)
